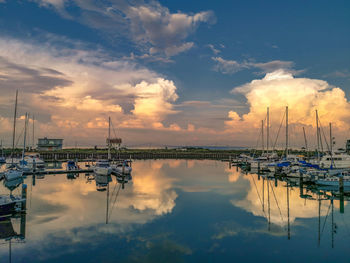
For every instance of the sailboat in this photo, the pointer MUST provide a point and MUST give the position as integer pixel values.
(28, 161)
(13, 172)
(102, 167)
(266, 162)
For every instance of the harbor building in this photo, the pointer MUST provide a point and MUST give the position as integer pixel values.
(46, 144)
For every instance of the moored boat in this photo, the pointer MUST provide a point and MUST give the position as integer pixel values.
(102, 167)
(9, 204)
(334, 181)
(13, 174)
(122, 167)
(336, 160)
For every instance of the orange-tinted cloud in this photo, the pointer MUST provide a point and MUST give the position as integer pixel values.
(303, 96)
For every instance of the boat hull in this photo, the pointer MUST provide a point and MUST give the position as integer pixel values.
(332, 183)
(12, 175)
(102, 170)
(126, 170)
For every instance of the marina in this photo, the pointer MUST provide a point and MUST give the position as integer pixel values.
(158, 211)
(156, 131)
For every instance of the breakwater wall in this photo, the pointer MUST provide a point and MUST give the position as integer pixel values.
(50, 156)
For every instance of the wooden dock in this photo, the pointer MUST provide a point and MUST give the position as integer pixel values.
(43, 172)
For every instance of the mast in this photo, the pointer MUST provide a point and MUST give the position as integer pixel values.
(318, 138)
(14, 127)
(109, 138)
(268, 200)
(305, 140)
(33, 132)
(319, 220)
(331, 143)
(267, 131)
(330, 137)
(286, 131)
(2, 150)
(24, 135)
(263, 193)
(107, 201)
(333, 227)
(262, 136)
(321, 144)
(288, 210)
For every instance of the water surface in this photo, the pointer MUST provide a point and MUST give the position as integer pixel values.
(176, 211)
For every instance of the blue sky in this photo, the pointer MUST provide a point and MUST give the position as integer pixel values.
(201, 49)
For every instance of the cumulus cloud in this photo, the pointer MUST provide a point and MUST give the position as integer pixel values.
(149, 25)
(76, 88)
(166, 32)
(232, 66)
(303, 96)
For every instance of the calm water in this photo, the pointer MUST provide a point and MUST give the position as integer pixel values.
(176, 211)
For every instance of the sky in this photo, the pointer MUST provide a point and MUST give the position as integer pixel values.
(169, 73)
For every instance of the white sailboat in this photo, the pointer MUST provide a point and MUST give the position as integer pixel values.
(333, 159)
(102, 167)
(336, 160)
(13, 172)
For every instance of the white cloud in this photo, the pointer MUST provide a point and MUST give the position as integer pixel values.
(271, 65)
(227, 66)
(59, 4)
(213, 49)
(302, 95)
(76, 88)
(339, 74)
(232, 66)
(151, 26)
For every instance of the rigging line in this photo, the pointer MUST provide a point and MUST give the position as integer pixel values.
(329, 207)
(279, 129)
(279, 209)
(115, 187)
(115, 135)
(257, 142)
(30, 195)
(256, 188)
(115, 199)
(324, 136)
(19, 137)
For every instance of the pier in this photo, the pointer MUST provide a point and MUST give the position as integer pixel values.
(92, 156)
